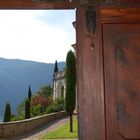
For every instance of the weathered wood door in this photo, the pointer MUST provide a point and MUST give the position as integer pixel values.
(122, 80)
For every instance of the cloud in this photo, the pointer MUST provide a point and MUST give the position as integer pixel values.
(38, 35)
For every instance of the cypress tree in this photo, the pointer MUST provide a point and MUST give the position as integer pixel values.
(27, 109)
(29, 93)
(7, 114)
(62, 94)
(70, 85)
(56, 67)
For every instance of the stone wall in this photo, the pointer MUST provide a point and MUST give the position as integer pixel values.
(13, 129)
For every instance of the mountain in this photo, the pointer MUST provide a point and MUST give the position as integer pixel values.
(16, 75)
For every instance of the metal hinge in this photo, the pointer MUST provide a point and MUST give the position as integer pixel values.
(91, 24)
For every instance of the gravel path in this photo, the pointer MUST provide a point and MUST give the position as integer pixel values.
(38, 133)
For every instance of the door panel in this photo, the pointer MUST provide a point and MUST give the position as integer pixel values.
(122, 81)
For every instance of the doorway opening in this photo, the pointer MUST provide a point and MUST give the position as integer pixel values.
(31, 39)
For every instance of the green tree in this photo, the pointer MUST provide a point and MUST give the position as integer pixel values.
(70, 85)
(29, 93)
(21, 107)
(56, 67)
(7, 114)
(27, 109)
(62, 94)
(46, 90)
(37, 110)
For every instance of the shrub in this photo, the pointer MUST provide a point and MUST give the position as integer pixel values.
(17, 117)
(37, 110)
(49, 109)
(42, 100)
(7, 115)
(21, 108)
(56, 106)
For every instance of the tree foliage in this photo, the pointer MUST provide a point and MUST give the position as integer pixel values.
(46, 90)
(21, 107)
(29, 93)
(27, 109)
(7, 114)
(43, 96)
(42, 100)
(62, 94)
(37, 110)
(56, 67)
(56, 106)
(70, 85)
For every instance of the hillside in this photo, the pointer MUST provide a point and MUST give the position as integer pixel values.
(16, 75)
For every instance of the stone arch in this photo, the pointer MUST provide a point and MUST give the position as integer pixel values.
(62, 91)
(59, 89)
(59, 84)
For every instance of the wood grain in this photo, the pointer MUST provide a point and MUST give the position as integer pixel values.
(28, 4)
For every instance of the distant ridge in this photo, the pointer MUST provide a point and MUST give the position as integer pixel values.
(16, 75)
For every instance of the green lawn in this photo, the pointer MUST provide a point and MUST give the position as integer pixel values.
(62, 132)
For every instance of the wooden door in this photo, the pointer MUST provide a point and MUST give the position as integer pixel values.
(89, 81)
(122, 80)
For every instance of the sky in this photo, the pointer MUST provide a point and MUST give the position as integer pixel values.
(36, 35)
